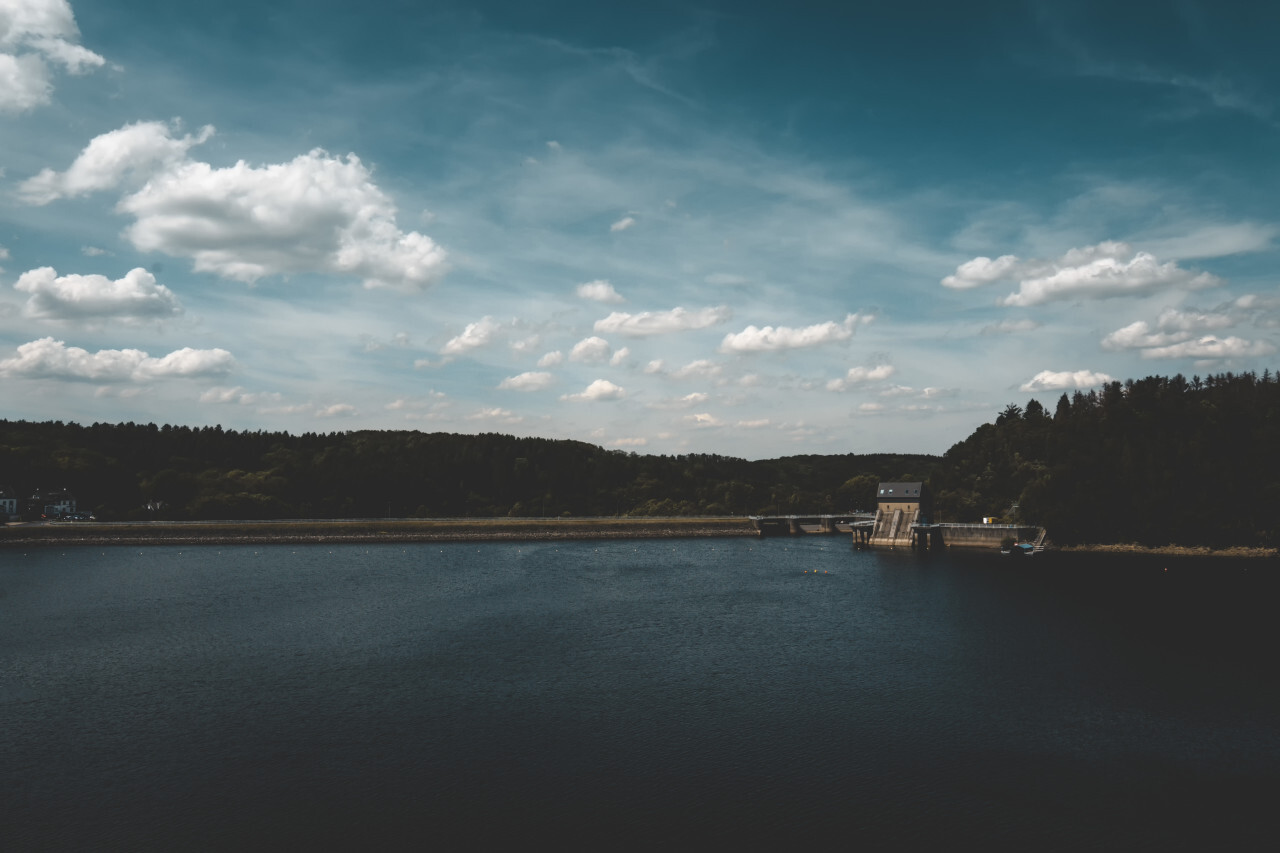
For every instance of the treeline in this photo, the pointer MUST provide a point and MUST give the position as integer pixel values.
(142, 471)
(1154, 461)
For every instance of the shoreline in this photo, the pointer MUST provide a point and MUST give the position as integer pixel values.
(1234, 552)
(370, 532)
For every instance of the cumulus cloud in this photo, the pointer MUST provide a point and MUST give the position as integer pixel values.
(981, 271)
(138, 149)
(48, 358)
(696, 398)
(337, 410)
(700, 369)
(530, 381)
(591, 349)
(601, 389)
(661, 322)
(1049, 380)
(33, 34)
(1106, 270)
(1211, 347)
(599, 290)
(703, 420)
(496, 414)
(239, 396)
(475, 335)
(752, 339)
(315, 213)
(620, 357)
(137, 296)
(623, 224)
(1180, 334)
(630, 442)
(861, 376)
(551, 359)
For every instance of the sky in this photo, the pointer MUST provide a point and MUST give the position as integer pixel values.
(745, 228)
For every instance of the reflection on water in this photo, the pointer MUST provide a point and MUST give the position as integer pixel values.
(692, 691)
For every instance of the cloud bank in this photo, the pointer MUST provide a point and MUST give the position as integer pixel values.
(47, 358)
(1106, 270)
(33, 35)
(136, 296)
(314, 214)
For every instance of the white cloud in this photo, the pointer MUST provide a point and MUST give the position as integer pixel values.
(657, 365)
(93, 251)
(703, 420)
(599, 290)
(47, 358)
(526, 345)
(477, 334)
(24, 82)
(981, 271)
(551, 359)
(1175, 327)
(699, 369)
(1049, 380)
(81, 297)
(32, 34)
(239, 396)
(526, 382)
(623, 224)
(620, 357)
(1211, 347)
(630, 442)
(861, 376)
(140, 149)
(759, 423)
(697, 398)
(601, 389)
(591, 349)
(496, 414)
(337, 410)
(1102, 271)
(661, 322)
(752, 339)
(315, 213)
(871, 407)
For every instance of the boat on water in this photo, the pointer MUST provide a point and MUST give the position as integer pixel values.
(1019, 549)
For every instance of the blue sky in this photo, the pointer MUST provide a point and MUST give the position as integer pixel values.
(755, 229)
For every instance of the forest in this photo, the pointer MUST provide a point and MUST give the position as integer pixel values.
(140, 471)
(1153, 461)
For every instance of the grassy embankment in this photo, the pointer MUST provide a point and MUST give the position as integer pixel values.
(1170, 550)
(400, 530)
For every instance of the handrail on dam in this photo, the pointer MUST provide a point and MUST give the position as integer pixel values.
(922, 535)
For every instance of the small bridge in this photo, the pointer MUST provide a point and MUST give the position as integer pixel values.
(791, 525)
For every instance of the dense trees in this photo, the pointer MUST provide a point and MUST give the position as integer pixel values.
(1158, 460)
(130, 471)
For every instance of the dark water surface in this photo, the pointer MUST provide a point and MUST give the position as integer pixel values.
(686, 693)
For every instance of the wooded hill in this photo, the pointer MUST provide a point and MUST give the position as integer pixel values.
(139, 471)
(1156, 461)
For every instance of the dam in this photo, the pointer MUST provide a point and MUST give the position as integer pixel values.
(901, 521)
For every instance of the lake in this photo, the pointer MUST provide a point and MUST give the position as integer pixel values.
(690, 692)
